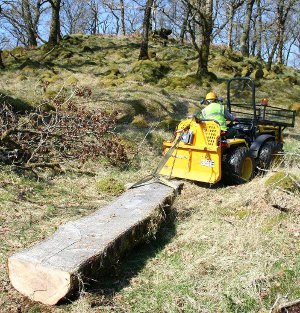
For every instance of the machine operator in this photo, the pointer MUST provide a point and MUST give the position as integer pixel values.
(215, 110)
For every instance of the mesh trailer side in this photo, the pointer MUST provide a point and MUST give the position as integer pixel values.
(276, 116)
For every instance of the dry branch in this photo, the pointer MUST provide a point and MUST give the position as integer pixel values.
(69, 131)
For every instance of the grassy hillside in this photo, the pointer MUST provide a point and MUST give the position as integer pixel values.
(110, 67)
(230, 249)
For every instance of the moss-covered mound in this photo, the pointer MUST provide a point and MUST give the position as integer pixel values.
(296, 107)
(103, 62)
(150, 71)
(110, 186)
(140, 121)
(18, 105)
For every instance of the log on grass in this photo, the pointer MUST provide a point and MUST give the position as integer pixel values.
(81, 251)
(291, 307)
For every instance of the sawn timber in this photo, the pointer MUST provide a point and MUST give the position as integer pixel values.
(80, 251)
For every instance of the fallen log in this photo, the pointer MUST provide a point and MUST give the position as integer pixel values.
(291, 307)
(81, 251)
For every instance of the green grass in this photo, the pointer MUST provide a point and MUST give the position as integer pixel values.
(110, 185)
(214, 263)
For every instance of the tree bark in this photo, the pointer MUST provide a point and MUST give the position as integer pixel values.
(30, 29)
(283, 9)
(81, 251)
(254, 39)
(230, 26)
(259, 29)
(233, 5)
(244, 42)
(55, 35)
(280, 30)
(123, 29)
(145, 36)
(1, 61)
(153, 17)
(280, 58)
(95, 18)
(206, 22)
(289, 51)
(271, 55)
(184, 25)
(202, 17)
(116, 16)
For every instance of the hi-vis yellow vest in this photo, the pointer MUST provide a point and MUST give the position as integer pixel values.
(215, 111)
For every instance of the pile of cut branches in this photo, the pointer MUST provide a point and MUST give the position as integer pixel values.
(40, 138)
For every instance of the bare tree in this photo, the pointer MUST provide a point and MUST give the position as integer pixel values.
(76, 16)
(114, 9)
(146, 26)
(3, 41)
(259, 29)
(94, 21)
(231, 7)
(133, 22)
(292, 37)
(202, 16)
(21, 19)
(183, 29)
(283, 8)
(244, 43)
(55, 35)
(31, 32)
(171, 15)
(122, 8)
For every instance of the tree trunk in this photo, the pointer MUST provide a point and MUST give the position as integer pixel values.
(289, 51)
(81, 251)
(244, 42)
(55, 36)
(95, 18)
(271, 55)
(279, 58)
(123, 29)
(117, 21)
(206, 31)
(1, 61)
(145, 36)
(254, 40)
(230, 27)
(202, 13)
(184, 25)
(29, 23)
(259, 29)
(153, 18)
(283, 9)
(204, 55)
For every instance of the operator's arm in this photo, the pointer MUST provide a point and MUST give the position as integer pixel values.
(198, 114)
(229, 116)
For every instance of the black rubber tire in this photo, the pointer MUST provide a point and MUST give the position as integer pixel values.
(266, 155)
(233, 166)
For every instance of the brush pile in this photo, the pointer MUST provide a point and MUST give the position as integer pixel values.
(49, 138)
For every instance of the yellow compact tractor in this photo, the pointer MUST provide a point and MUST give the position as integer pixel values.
(201, 152)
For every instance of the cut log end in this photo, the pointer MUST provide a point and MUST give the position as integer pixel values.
(38, 282)
(81, 250)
